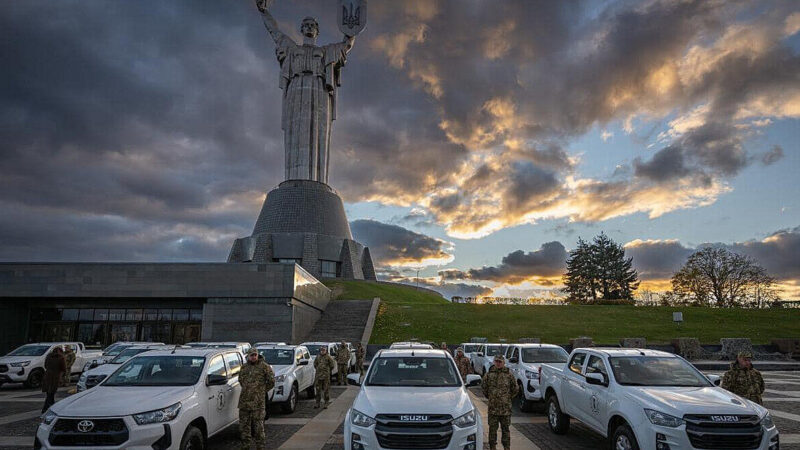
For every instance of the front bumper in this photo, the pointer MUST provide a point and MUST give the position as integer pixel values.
(677, 439)
(140, 437)
(530, 389)
(462, 438)
(15, 375)
(280, 393)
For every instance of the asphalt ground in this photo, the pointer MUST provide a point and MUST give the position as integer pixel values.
(20, 407)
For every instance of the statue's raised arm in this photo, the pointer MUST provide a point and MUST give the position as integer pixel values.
(269, 22)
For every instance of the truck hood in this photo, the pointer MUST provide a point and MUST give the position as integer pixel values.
(15, 359)
(678, 401)
(281, 370)
(404, 400)
(116, 401)
(535, 366)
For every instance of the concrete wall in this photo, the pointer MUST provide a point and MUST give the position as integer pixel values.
(247, 319)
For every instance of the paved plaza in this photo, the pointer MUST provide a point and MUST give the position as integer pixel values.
(309, 428)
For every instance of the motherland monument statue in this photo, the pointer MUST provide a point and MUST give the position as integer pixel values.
(309, 77)
(303, 220)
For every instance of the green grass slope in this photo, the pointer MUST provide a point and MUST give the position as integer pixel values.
(407, 313)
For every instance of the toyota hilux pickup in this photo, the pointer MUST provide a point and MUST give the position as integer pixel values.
(413, 398)
(483, 359)
(646, 399)
(294, 373)
(25, 364)
(156, 401)
(90, 378)
(525, 362)
(112, 351)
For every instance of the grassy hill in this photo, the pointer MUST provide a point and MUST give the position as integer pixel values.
(407, 313)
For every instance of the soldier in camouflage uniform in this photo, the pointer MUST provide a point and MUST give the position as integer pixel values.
(743, 380)
(463, 364)
(360, 352)
(256, 379)
(69, 356)
(499, 387)
(343, 362)
(323, 365)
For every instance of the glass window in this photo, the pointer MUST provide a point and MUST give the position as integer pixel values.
(164, 314)
(544, 355)
(413, 371)
(596, 365)
(30, 350)
(133, 314)
(116, 314)
(471, 348)
(656, 371)
(150, 314)
(164, 370)
(196, 314)
(306, 355)
(180, 314)
(277, 356)
(156, 332)
(289, 260)
(46, 314)
(85, 314)
(69, 314)
(123, 332)
(91, 333)
(576, 363)
(328, 269)
(101, 314)
(234, 361)
(217, 367)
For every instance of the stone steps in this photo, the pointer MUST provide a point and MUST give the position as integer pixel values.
(342, 319)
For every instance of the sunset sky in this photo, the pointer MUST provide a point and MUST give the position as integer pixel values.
(475, 141)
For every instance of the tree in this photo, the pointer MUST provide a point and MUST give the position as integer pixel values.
(600, 268)
(719, 277)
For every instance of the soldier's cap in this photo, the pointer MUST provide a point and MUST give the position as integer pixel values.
(499, 358)
(459, 349)
(252, 351)
(745, 355)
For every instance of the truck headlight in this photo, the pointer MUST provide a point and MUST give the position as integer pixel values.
(159, 415)
(662, 419)
(280, 378)
(531, 375)
(360, 419)
(465, 421)
(48, 417)
(20, 364)
(82, 378)
(766, 421)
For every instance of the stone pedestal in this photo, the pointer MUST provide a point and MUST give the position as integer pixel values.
(633, 343)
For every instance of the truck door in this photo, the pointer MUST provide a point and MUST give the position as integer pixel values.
(512, 353)
(594, 405)
(299, 373)
(216, 398)
(234, 389)
(573, 385)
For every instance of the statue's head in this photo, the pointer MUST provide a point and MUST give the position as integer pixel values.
(309, 28)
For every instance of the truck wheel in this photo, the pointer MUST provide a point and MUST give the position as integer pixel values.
(525, 405)
(624, 439)
(558, 421)
(311, 391)
(289, 405)
(34, 379)
(192, 439)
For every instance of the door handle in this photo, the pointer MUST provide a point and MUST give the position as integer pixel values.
(212, 397)
(230, 389)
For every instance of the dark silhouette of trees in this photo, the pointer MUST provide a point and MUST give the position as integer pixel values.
(599, 270)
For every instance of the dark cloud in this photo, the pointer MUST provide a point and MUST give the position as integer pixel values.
(392, 245)
(659, 259)
(518, 266)
(666, 164)
(529, 184)
(778, 253)
(772, 156)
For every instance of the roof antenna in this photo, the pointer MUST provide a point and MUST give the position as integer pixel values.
(173, 349)
(412, 352)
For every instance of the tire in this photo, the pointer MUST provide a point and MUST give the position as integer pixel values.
(624, 439)
(311, 391)
(34, 379)
(556, 420)
(525, 405)
(290, 405)
(192, 439)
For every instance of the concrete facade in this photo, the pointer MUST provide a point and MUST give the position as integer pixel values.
(241, 302)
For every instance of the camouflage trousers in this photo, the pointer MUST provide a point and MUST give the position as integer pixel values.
(323, 386)
(342, 373)
(66, 375)
(251, 428)
(505, 423)
(360, 367)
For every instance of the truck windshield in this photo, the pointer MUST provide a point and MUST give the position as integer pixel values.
(656, 371)
(30, 350)
(115, 349)
(127, 354)
(470, 348)
(314, 348)
(413, 371)
(278, 356)
(544, 355)
(158, 371)
(492, 350)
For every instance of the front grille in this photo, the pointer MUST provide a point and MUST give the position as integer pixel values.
(706, 433)
(3, 368)
(429, 431)
(94, 380)
(110, 432)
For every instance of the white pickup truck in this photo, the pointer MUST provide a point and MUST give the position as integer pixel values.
(413, 398)
(26, 364)
(157, 400)
(94, 375)
(294, 373)
(525, 361)
(646, 399)
(484, 357)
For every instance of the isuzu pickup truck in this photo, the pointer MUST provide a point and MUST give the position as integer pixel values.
(646, 399)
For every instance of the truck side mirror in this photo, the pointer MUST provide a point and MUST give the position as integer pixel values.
(480, 354)
(513, 360)
(216, 380)
(714, 379)
(473, 380)
(354, 379)
(302, 362)
(596, 379)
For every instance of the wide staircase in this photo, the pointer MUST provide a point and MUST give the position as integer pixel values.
(342, 319)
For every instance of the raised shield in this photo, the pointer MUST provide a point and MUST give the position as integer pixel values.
(352, 16)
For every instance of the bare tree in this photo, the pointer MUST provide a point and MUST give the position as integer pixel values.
(715, 275)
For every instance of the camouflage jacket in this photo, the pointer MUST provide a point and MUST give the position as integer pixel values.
(499, 386)
(360, 356)
(69, 357)
(323, 365)
(256, 380)
(464, 366)
(343, 354)
(744, 382)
